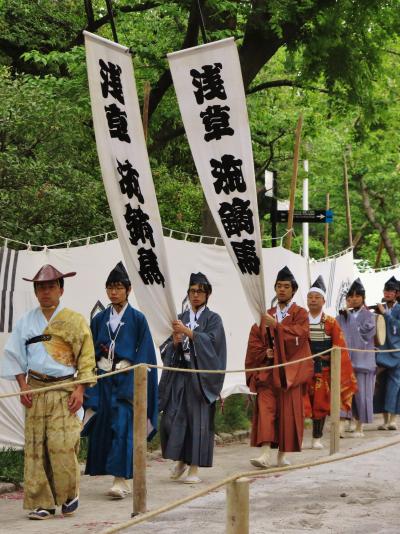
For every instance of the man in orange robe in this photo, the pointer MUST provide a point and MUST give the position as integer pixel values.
(325, 333)
(282, 336)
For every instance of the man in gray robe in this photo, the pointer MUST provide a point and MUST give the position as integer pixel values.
(187, 400)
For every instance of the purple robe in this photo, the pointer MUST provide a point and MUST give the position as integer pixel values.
(359, 331)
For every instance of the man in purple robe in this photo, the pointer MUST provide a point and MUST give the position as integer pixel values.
(358, 325)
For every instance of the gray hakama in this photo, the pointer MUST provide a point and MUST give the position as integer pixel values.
(359, 331)
(187, 400)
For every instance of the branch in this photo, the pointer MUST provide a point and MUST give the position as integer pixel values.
(370, 213)
(284, 83)
(191, 39)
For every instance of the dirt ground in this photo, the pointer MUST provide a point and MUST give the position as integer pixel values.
(361, 495)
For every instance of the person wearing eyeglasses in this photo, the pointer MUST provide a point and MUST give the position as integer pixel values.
(121, 338)
(187, 400)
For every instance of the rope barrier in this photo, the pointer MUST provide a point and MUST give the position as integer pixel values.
(182, 370)
(259, 473)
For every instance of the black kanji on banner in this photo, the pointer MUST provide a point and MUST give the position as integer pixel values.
(246, 255)
(149, 271)
(216, 122)
(138, 227)
(208, 83)
(228, 174)
(117, 123)
(236, 217)
(129, 183)
(111, 84)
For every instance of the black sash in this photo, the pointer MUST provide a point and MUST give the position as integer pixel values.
(38, 339)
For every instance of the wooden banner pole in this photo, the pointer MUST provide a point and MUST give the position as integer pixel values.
(294, 181)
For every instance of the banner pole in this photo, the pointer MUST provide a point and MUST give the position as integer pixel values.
(294, 181)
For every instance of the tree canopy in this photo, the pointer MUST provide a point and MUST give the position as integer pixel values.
(334, 61)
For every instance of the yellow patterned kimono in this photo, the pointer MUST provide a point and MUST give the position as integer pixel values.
(52, 433)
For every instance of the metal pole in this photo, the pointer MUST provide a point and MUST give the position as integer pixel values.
(305, 225)
(274, 207)
(326, 241)
(237, 506)
(335, 400)
(139, 440)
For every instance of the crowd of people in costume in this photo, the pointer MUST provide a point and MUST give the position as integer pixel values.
(52, 344)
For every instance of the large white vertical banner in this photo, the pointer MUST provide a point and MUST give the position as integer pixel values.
(127, 178)
(209, 88)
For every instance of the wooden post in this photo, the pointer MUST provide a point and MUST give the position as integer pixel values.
(327, 228)
(335, 400)
(294, 181)
(146, 99)
(237, 506)
(139, 440)
(347, 200)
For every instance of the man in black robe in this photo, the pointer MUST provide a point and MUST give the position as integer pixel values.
(187, 400)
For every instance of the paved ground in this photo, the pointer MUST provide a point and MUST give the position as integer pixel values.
(352, 496)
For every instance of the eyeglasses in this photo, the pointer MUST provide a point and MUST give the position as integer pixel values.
(197, 292)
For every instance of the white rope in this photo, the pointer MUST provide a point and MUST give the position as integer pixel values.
(167, 231)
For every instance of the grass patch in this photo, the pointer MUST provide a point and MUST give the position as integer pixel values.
(12, 466)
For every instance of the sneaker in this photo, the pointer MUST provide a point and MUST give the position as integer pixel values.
(383, 426)
(41, 514)
(316, 444)
(260, 462)
(192, 479)
(392, 426)
(283, 461)
(70, 506)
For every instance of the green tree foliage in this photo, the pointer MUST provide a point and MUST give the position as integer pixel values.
(336, 62)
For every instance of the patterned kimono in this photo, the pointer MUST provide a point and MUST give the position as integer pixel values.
(52, 433)
(319, 401)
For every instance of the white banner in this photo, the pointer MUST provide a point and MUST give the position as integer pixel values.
(127, 178)
(209, 88)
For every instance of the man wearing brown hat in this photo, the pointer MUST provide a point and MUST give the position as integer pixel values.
(50, 345)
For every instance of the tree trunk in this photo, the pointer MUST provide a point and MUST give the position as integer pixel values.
(383, 230)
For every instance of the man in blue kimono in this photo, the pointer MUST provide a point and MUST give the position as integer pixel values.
(387, 395)
(121, 338)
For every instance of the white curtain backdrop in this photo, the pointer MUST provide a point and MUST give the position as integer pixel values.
(93, 263)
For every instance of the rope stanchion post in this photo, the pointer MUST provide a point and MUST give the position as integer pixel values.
(237, 506)
(139, 440)
(335, 400)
